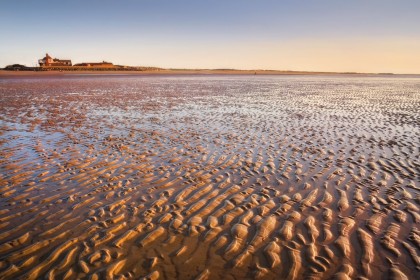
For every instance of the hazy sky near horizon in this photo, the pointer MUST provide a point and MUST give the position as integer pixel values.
(310, 35)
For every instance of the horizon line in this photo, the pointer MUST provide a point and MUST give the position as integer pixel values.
(175, 69)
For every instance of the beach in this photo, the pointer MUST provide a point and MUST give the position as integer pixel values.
(55, 73)
(209, 175)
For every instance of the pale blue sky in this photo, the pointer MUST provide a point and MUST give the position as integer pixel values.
(313, 35)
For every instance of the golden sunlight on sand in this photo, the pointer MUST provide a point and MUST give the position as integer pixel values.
(209, 177)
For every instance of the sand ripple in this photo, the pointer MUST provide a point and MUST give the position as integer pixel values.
(218, 177)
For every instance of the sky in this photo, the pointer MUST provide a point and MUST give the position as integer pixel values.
(375, 36)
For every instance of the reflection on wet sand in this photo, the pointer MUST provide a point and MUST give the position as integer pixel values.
(208, 177)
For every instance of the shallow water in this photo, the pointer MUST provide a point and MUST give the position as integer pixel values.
(227, 177)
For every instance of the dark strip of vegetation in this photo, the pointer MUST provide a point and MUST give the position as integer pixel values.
(19, 67)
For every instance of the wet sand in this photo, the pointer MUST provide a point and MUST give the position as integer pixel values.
(209, 177)
(5, 73)
(55, 73)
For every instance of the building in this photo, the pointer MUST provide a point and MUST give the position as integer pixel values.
(49, 61)
(102, 64)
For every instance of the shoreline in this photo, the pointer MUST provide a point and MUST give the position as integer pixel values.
(8, 73)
